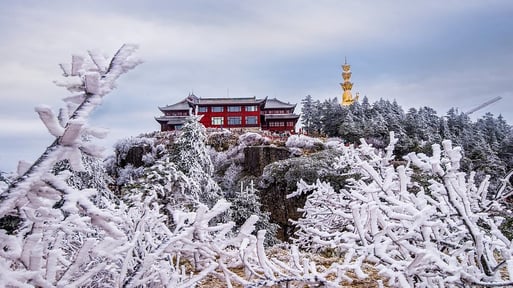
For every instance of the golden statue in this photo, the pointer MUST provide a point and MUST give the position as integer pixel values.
(347, 97)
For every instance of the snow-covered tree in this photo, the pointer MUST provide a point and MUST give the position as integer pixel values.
(245, 203)
(191, 156)
(308, 114)
(332, 113)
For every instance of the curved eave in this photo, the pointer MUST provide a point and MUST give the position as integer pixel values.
(159, 119)
(168, 108)
(281, 117)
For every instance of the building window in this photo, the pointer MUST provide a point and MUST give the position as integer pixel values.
(278, 112)
(251, 108)
(234, 109)
(217, 108)
(251, 120)
(235, 121)
(202, 109)
(217, 120)
(290, 123)
(177, 113)
(277, 124)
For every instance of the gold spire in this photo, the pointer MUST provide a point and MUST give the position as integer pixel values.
(347, 97)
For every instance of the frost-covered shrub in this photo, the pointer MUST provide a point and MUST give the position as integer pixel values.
(333, 143)
(127, 174)
(304, 142)
(124, 145)
(221, 141)
(280, 178)
(233, 158)
(135, 151)
(252, 139)
(246, 203)
(295, 151)
(445, 233)
(231, 175)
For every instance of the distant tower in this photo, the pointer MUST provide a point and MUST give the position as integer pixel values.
(347, 97)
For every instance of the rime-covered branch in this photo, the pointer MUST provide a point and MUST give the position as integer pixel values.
(92, 84)
(65, 220)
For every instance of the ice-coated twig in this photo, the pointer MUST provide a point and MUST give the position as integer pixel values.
(121, 63)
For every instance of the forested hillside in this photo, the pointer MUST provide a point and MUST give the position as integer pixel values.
(487, 144)
(408, 204)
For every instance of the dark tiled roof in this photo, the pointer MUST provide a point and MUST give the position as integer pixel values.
(182, 105)
(226, 101)
(274, 103)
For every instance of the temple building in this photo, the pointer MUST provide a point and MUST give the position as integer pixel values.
(247, 112)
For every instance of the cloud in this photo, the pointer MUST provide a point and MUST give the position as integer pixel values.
(421, 53)
(444, 90)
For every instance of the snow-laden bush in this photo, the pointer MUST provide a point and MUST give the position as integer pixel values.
(333, 142)
(124, 145)
(439, 232)
(253, 139)
(127, 174)
(304, 142)
(221, 140)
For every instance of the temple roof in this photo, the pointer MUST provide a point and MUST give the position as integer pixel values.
(225, 101)
(182, 105)
(274, 103)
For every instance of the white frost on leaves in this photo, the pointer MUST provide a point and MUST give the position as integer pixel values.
(92, 82)
(76, 99)
(50, 120)
(97, 132)
(23, 167)
(72, 134)
(101, 62)
(77, 62)
(73, 84)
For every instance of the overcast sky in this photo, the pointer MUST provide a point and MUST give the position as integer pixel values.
(440, 54)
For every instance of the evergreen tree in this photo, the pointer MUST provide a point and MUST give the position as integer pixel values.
(332, 115)
(308, 111)
(245, 203)
(430, 127)
(191, 156)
